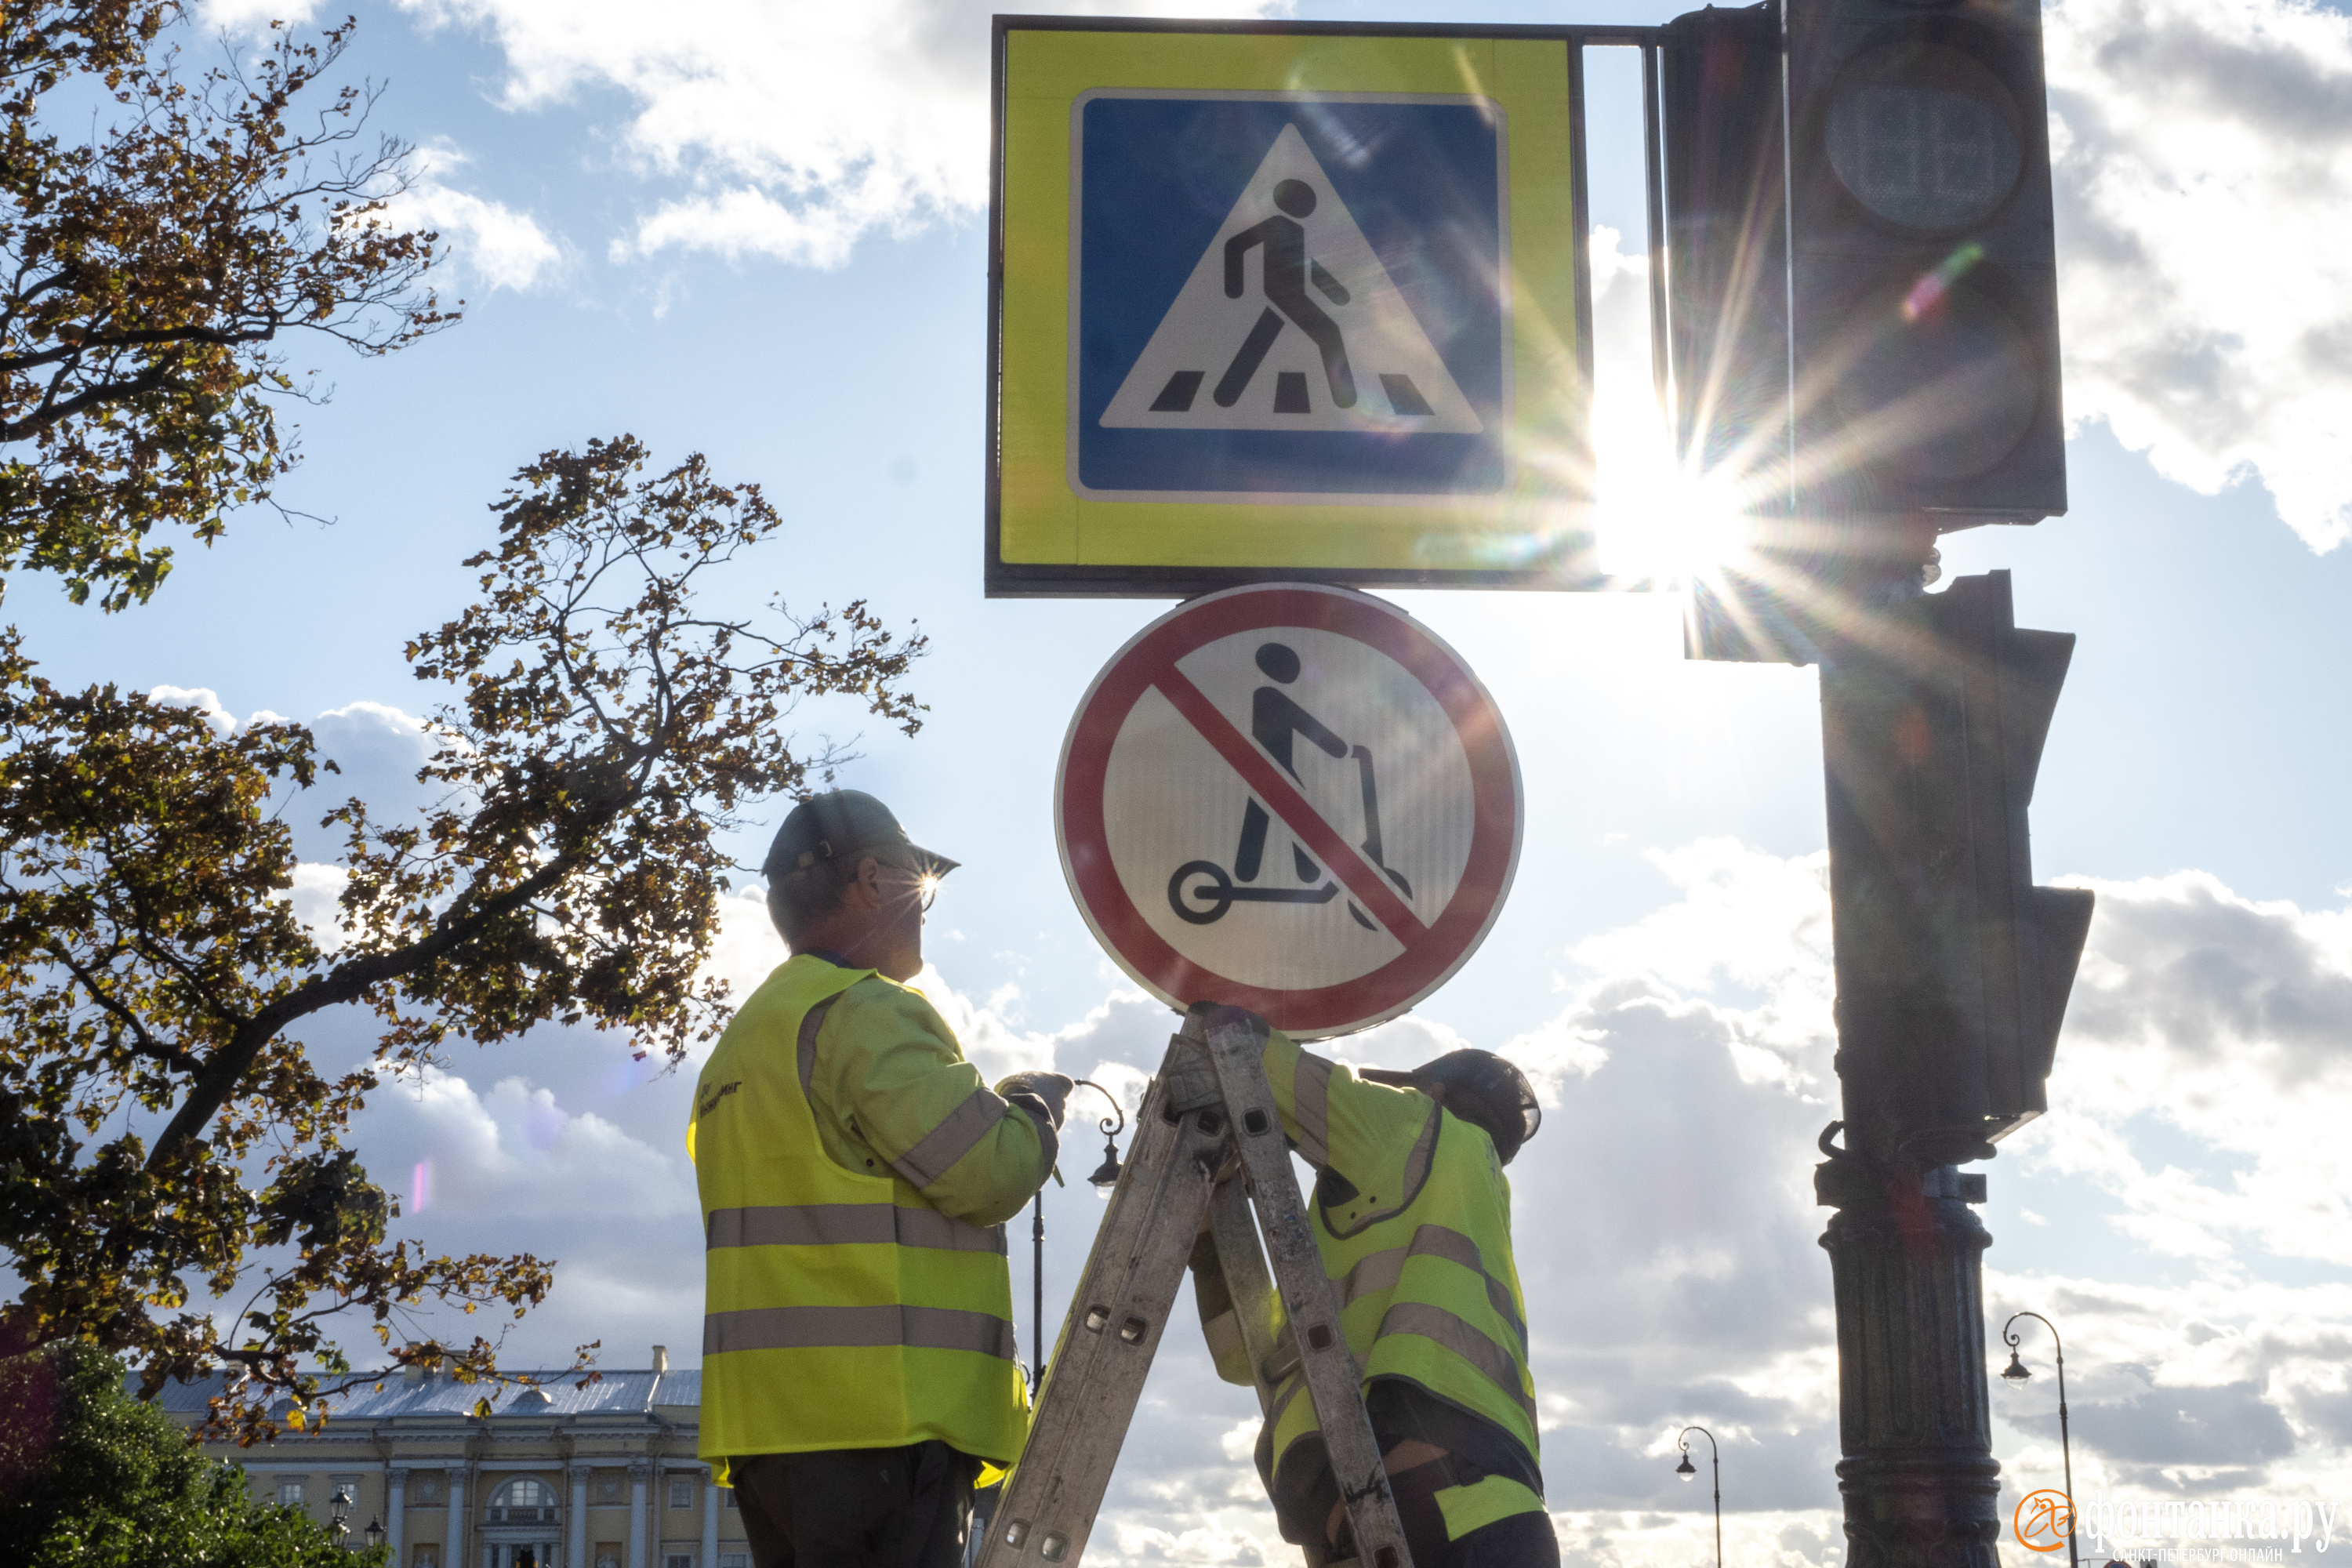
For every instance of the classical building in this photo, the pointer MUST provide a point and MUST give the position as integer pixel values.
(554, 1476)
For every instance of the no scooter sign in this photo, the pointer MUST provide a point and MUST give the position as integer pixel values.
(1292, 798)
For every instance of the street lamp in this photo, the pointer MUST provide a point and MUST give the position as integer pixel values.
(2018, 1371)
(339, 1506)
(374, 1533)
(1686, 1470)
(1105, 1180)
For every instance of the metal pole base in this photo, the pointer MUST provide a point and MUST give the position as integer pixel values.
(1920, 1484)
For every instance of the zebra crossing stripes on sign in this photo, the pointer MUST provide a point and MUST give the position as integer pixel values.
(1292, 798)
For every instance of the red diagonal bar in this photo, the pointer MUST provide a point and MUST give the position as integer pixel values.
(1264, 780)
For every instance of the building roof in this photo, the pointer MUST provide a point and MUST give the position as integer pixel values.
(623, 1393)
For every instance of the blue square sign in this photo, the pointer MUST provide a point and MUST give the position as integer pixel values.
(1294, 297)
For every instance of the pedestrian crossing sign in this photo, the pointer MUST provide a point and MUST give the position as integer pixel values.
(1285, 300)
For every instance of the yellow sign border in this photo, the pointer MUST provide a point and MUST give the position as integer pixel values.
(1045, 538)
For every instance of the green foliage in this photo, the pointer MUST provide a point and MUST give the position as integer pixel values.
(602, 731)
(157, 234)
(90, 1478)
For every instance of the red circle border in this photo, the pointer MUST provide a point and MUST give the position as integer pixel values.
(1495, 823)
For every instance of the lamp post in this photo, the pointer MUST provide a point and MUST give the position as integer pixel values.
(374, 1533)
(2018, 1371)
(339, 1509)
(1105, 1178)
(1686, 1470)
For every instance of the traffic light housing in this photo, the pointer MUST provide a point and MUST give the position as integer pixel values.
(1953, 969)
(1923, 268)
(1727, 247)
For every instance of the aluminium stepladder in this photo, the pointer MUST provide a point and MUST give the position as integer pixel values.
(1208, 1145)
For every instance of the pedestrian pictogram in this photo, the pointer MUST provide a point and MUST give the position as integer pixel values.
(1292, 798)
(1290, 321)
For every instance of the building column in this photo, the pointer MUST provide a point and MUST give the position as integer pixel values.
(576, 1552)
(453, 1554)
(395, 1496)
(709, 1519)
(639, 1471)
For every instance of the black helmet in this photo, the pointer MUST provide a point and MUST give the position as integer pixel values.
(1482, 1089)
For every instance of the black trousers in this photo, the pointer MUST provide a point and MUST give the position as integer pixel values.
(1521, 1541)
(856, 1508)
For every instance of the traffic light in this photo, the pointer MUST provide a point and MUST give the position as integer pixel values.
(1727, 247)
(1953, 969)
(1923, 269)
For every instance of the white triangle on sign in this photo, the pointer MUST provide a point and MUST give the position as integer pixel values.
(1324, 342)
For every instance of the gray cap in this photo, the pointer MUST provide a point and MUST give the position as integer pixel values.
(845, 822)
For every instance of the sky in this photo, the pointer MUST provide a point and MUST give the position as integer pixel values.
(757, 231)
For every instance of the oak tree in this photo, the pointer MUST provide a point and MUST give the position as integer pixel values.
(164, 1134)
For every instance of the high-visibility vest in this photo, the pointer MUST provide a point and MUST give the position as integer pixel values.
(1429, 1294)
(840, 1309)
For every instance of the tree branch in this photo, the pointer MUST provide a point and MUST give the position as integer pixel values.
(146, 1044)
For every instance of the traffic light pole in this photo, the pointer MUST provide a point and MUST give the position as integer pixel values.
(1917, 1476)
(1952, 971)
(1862, 335)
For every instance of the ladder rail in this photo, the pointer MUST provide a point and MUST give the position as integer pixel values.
(1237, 1053)
(1258, 1309)
(1115, 1324)
(1208, 1152)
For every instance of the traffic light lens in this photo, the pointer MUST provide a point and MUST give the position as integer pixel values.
(1943, 377)
(1925, 136)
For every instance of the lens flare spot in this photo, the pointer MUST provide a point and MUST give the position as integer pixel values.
(420, 1186)
(1929, 291)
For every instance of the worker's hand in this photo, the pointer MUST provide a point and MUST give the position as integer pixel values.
(1049, 1091)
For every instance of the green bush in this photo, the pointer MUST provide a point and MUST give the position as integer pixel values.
(90, 1478)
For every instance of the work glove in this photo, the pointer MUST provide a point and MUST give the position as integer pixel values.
(1045, 1092)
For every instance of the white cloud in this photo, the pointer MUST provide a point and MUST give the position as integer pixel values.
(315, 896)
(254, 15)
(490, 240)
(202, 699)
(2223, 1019)
(799, 126)
(2204, 161)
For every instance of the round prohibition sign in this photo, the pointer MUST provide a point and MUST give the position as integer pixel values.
(1293, 798)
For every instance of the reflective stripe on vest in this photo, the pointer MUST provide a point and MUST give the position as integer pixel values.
(1428, 1296)
(858, 1327)
(1436, 1324)
(952, 1138)
(841, 1310)
(1381, 1271)
(848, 1225)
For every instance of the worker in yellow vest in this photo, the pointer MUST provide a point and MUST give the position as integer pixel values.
(858, 1355)
(1412, 1216)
